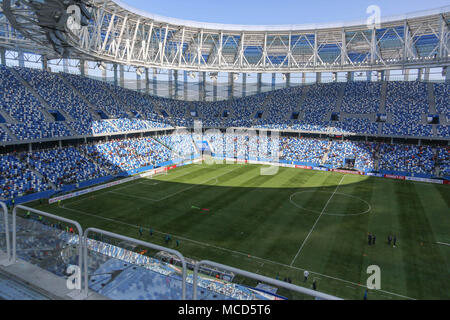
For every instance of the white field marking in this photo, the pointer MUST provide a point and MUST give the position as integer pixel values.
(443, 243)
(234, 252)
(369, 207)
(147, 183)
(175, 193)
(317, 220)
(127, 185)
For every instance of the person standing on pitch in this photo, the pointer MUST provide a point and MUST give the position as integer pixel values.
(306, 275)
(374, 238)
(369, 238)
(389, 239)
(314, 285)
(395, 240)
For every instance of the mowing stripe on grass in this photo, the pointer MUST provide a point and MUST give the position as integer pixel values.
(317, 220)
(246, 255)
(175, 193)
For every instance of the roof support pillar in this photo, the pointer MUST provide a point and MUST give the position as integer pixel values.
(147, 82)
(44, 63)
(138, 82)
(83, 64)
(175, 80)
(350, 76)
(122, 75)
(420, 74)
(185, 84)
(318, 77)
(65, 65)
(21, 59)
(215, 89)
(3, 56)
(259, 82)
(244, 84)
(446, 73)
(155, 82)
(230, 85)
(170, 75)
(274, 80)
(405, 74)
(426, 75)
(116, 80)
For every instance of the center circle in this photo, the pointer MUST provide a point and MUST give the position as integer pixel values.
(308, 204)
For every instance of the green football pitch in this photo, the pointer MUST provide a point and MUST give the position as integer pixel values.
(280, 225)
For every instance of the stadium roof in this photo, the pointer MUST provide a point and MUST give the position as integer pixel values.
(116, 32)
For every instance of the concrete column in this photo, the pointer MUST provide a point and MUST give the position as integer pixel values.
(274, 81)
(155, 82)
(288, 80)
(170, 76)
(387, 75)
(203, 86)
(30, 148)
(230, 85)
(44, 61)
(21, 58)
(116, 79)
(369, 75)
(259, 82)
(244, 84)
(82, 67)
(426, 76)
(303, 77)
(350, 76)
(138, 82)
(175, 80)
(104, 74)
(185, 85)
(122, 75)
(65, 66)
(215, 89)
(420, 74)
(3, 56)
(147, 82)
(318, 77)
(446, 73)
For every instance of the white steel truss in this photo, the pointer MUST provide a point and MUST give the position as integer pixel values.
(123, 35)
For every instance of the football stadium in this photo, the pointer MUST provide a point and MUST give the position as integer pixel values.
(145, 157)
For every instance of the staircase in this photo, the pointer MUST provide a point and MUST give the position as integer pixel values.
(431, 98)
(8, 132)
(382, 108)
(8, 117)
(92, 107)
(40, 175)
(340, 98)
(48, 117)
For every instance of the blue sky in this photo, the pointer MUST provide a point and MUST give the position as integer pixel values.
(279, 12)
